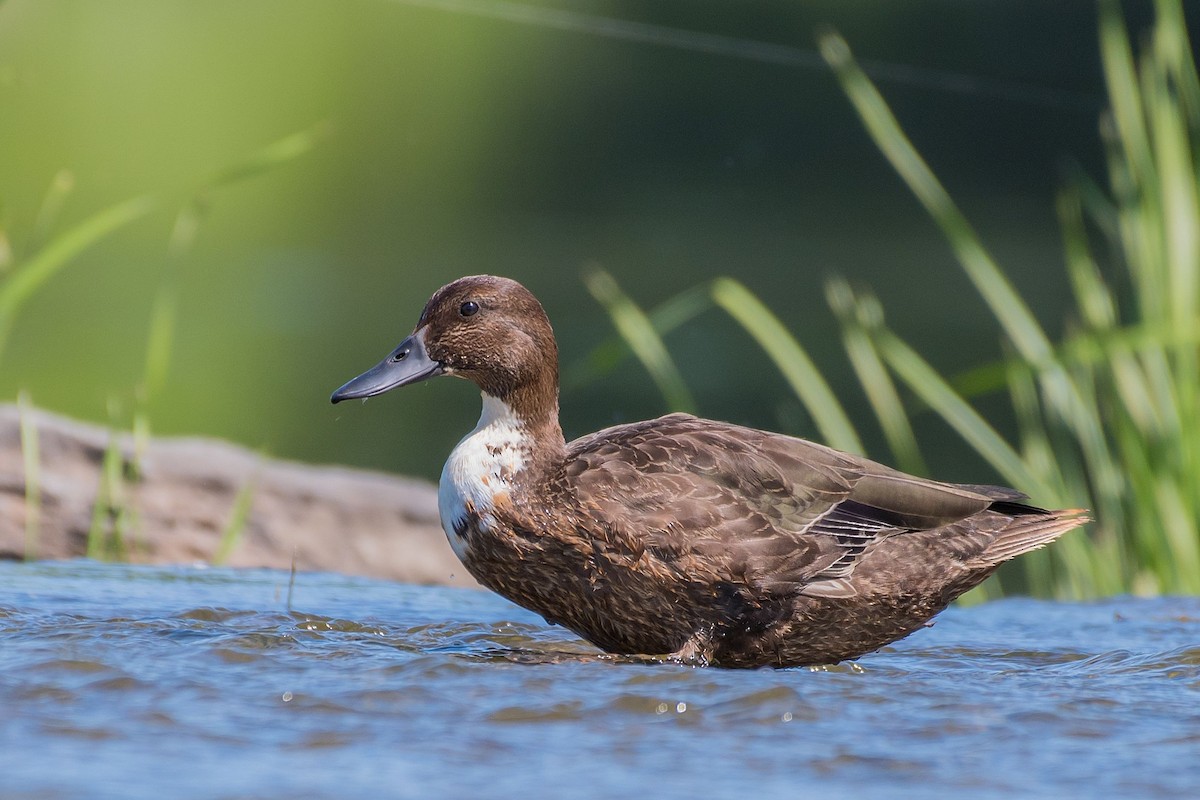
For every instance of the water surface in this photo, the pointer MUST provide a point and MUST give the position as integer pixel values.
(147, 682)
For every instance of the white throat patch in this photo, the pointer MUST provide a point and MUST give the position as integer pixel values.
(481, 466)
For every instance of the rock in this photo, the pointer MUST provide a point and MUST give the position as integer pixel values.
(173, 504)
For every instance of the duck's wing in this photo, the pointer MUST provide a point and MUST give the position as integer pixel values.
(737, 504)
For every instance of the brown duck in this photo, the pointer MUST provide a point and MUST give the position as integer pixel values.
(698, 540)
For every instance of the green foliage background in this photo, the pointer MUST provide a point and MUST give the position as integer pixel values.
(263, 194)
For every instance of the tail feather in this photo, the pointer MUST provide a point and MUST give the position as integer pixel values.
(1027, 533)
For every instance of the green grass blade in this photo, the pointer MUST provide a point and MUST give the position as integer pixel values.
(1012, 312)
(31, 459)
(926, 383)
(1180, 204)
(161, 336)
(52, 204)
(1100, 209)
(666, 317)
(6, 250)
(114, 519)
(1124, 93)
(273, 155)
(1177, 226)
(29, 276)
(1096, 304)
(239, 516)
(159, 343)
(637, 330)
(187, 224)
(860, 315)
(106, 510)
(1037, 449)
(791, 360)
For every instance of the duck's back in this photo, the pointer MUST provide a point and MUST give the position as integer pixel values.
(763, 546)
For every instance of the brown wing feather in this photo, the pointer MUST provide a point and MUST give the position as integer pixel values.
(782, 514)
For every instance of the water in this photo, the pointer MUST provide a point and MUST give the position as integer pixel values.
(132, 682)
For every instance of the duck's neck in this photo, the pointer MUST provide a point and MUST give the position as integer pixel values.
(532, 412)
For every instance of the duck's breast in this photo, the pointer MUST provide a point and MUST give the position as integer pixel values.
(480, 469)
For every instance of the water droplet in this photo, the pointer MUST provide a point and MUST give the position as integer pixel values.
(287, 697)
(787, 716)
(680, 708)
(662, 708)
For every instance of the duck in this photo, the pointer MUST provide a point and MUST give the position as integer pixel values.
(680, 538)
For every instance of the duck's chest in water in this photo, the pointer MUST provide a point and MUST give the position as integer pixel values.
(479, 474)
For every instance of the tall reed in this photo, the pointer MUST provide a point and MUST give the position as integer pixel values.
(115, 526)
(1108, 412)
(1109, 415)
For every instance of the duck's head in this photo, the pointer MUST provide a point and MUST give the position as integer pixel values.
(489, 330)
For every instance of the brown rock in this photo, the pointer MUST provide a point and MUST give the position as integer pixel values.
(175, 502)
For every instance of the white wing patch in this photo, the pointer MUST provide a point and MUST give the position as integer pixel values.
(482, 465)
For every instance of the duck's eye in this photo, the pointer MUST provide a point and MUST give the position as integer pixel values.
(468, 308)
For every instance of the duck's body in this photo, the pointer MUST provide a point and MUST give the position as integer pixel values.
(682, 536)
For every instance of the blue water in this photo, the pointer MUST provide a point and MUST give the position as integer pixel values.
(146, 682)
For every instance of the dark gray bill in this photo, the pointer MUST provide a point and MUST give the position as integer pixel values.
(407, 364)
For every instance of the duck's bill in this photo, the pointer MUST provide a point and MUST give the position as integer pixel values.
(407, 364)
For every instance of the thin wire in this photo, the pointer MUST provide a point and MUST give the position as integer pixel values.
(761, 52)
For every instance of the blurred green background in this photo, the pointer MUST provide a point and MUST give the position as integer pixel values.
(466, 138)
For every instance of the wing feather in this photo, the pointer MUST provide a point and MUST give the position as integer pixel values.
(786, 514)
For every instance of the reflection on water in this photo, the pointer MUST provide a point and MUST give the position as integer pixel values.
(120, 681)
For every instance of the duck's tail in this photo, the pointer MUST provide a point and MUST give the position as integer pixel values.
(1030, 529)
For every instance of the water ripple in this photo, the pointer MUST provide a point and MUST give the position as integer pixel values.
(146, 682)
